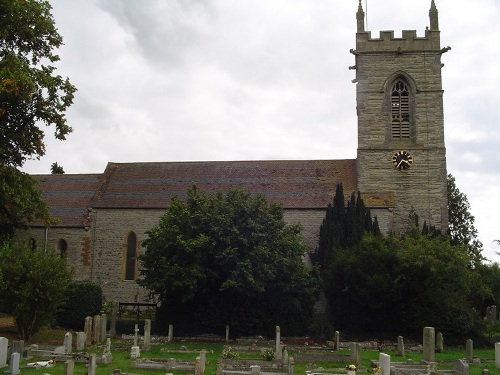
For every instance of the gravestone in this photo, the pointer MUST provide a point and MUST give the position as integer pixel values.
(439, 342)
(69, 367)
(203, 361)
(80, 341)
(4, 347)
(170, 332)
(14, 364)
(88, 331)
(384, 362)
(96, 330)
(336, 341)
(135, 352)
(147, 335)
(68, 342)
(493, 314)
(17, 346)
(136, 332)
(358, 354)
(104, 325)
(429, 342)
(497, 355)
(277, 351)
(461, 367)
(112, 328)
(401, 346)
(469, 350)
(254, 369)
(227, 334)
(92, 365)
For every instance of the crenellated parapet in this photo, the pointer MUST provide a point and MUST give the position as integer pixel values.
(409, 41)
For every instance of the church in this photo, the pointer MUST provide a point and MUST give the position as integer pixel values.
(400, 167)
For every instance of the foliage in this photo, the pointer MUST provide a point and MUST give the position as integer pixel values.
(343, 226)
(461, 227)
(228, 259)
(30, 92)
(56, 168)
(33, 288)
(403, 284)
(20, 202)
(82, 299)
(229, 353)
(267, 354)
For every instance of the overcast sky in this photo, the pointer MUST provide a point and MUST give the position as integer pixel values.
(179, 80)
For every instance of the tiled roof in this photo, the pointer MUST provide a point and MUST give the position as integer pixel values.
(68, 196)
(293, 183)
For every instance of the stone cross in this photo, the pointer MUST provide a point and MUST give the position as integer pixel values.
(136, 331)
(4, 345)
(14, 364)
(88, 330)
(429, 342)
(277, 351)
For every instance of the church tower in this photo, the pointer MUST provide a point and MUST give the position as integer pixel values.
(401, 151)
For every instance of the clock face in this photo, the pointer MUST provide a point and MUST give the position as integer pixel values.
(402, 160)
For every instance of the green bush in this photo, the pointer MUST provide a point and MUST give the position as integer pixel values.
(83, 299)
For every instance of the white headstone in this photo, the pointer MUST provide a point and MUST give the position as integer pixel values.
(81, 337)
(69, 367)
(14, 364)
(170, 332)
(277, 352)
(136, 333)
(384, 361)
(92, 365)
(497, 355)
(4, 346)
(135, 352)
(68, 342)
(429, 343)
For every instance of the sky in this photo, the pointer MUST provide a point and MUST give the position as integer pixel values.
(193, 80)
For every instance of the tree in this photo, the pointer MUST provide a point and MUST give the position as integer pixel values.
(56, 168)
(20, 202)
(30, 92)
(222, 259)
(33, 287)
(461, 227)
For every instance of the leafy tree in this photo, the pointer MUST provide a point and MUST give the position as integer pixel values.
(402, 284)
(461, 227)
(20, 202)
(33, 287)
(82, 299)
(56, 168)
(30, 92)
(228, 259)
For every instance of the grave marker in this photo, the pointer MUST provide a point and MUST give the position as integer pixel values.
(429, 342)
(14, 364)
(92, 365)
(81, 337)
(401, 346)
(4, 346)
(277, 351)
(170, 332)
(497, 355)
(69, 367)
(439, 342)
(336, 341)
(88, 330)
(147, 335)
(68, 342)
(384, 362)
(469, 350)
(104, 324)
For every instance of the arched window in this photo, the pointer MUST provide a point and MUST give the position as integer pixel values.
(62, 247)
(400, 110)
(130, 258)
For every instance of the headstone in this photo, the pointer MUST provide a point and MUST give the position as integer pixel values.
(4, 347)
(112, 328)
(384, 361)
(68, 342)
(469, 350)
(461, 367)
(197, 369)
(254, 369)
(170, 332)
(485, 371)
(107, 348)
(488, 314)
(147, 335)
(17, 346)
(80, 341)
(104, 326)
(284, 360)
(227, 334)
(493, 312)
(497, 355)
(14, 364)
(88, 330)
(69, 367)
(106, 358)
(135, 352)
(401, 346)
(96, 330)
(136, 332)
(92, 365)
(336, 341)
(429, 341)
(277, 351)
(358, 360)
(203, 361)
(439, 342)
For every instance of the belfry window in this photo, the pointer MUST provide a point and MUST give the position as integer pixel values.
(400, 110)
(130, 258)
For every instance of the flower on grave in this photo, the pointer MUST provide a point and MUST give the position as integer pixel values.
(375, 368)
(229, 353)
(350, 367)
(267, 354)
